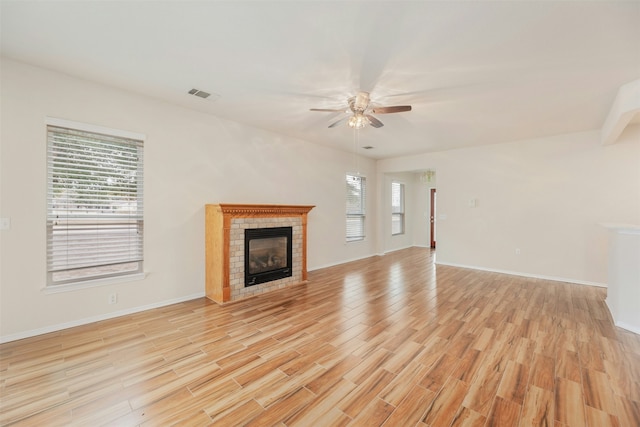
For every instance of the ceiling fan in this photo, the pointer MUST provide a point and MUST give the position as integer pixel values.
(359, 110)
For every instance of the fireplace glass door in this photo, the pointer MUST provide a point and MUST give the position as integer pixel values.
(267, 254)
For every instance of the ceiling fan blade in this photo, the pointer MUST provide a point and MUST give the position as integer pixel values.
(328, 110)
(336, 123)
(394, 109)
(373, 121)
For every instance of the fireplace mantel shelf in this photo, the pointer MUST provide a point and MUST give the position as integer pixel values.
(218, 225)
(271, 210)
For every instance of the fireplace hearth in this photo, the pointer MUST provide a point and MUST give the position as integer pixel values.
(267, 254)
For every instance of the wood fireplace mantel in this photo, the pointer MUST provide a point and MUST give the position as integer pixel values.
(218, 222)
(263, 210)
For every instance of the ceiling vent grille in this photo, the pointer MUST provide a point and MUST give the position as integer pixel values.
(204, 95)
(200, 93)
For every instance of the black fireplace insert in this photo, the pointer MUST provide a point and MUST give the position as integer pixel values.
(267, 254)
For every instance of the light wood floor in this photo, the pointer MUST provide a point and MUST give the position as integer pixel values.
(390, 340)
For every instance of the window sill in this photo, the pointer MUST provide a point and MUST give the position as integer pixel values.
(69, 287)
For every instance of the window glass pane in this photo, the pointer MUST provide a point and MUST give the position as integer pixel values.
(397, 208)
(94, 205)
(396, 197)
(355, 207)
(396, 224)
(355, 227)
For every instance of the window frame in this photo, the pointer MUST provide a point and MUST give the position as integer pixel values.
(398, 211)
(356, 214)
(134, 221)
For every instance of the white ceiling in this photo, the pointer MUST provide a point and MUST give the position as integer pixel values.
(475, 72)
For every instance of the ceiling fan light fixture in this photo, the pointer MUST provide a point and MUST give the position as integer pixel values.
(360, 108)
(358, 121)
(361, 101)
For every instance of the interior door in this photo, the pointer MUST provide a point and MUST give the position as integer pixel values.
(432, 217)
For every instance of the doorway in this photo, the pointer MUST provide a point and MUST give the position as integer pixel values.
(432, 217)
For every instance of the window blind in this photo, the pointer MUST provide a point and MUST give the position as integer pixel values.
(397, 208)
(356, 202)
(94, 205)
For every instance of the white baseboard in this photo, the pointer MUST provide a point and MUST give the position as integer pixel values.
(362, 257)
(627, 327)
(532, 276)
(398, 249)
(92, 319)
(320, 267)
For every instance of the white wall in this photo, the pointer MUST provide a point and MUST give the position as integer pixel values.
(545, 197)
(190, 159)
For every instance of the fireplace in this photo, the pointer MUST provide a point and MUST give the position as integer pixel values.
(267, 254)
(225, 241)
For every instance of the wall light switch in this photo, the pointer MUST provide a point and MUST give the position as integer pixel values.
(473, 203)
(5, 223)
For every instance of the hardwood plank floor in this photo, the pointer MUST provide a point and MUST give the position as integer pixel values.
(391, 340)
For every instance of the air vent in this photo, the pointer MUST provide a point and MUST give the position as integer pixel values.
(367, 147)
(204, 95)
(200, 93)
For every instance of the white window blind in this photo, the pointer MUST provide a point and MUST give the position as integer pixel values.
(356, 201)
(397, 208)
(94, 205)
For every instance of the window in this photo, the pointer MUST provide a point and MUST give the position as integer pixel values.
(397, 208)
(94, 203)
(356, 190)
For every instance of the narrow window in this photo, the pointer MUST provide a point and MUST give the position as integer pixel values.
(397, 208)
(356, 191)
(94, 205)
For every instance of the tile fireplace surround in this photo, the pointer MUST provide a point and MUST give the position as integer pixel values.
(224, 247)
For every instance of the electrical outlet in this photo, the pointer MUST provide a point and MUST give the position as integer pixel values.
(113, 298)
